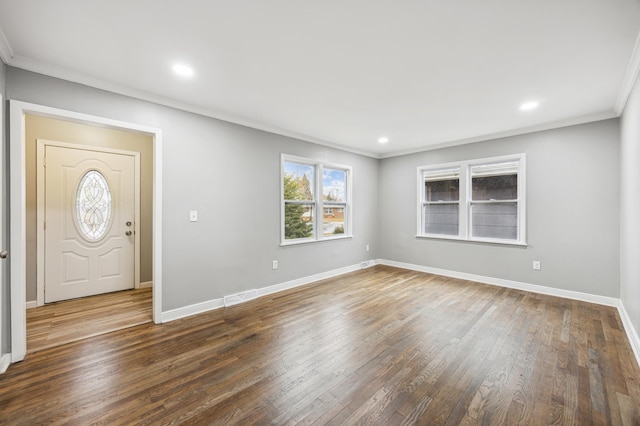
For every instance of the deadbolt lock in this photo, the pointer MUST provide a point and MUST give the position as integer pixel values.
(128, 223)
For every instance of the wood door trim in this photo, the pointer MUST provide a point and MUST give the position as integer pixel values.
(40, 203)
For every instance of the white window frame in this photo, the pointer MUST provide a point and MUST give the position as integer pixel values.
(465, 202)
(318, 201)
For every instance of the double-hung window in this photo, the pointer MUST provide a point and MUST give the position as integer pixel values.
(441, 202)
(479, 200)
(316, 200)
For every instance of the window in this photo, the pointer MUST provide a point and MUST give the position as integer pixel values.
(309, 187)
(479, 200)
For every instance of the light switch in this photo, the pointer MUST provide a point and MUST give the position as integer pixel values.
(193, 215)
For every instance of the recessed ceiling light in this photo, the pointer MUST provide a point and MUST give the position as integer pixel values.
(183, 70)
(528, 106)
(383, 139)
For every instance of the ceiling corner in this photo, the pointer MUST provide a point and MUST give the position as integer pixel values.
(630, 76)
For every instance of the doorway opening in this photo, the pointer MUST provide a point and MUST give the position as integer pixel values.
(21, 274)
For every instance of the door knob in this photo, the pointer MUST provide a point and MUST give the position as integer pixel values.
(4, 254)
(128, 233)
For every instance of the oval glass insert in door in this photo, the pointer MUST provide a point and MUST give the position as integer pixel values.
(93, 205)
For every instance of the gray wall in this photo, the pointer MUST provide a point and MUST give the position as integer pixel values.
(230, 174)
(630, 208)
(572, 211)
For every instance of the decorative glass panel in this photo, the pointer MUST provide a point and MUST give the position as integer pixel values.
(93, 205)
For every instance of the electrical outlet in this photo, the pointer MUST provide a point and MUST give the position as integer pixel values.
(274, 264)
(536, 265)
(193, 216)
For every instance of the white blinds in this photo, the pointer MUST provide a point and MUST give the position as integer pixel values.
(495, 169)
(442, 174)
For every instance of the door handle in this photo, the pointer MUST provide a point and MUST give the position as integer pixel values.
(128, 233)
(4, 254)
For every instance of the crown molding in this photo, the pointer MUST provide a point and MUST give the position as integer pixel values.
(590, 118)
(630, 77)
(75, 77)
(6, 52)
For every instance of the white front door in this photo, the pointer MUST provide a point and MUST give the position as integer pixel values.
(89, 213)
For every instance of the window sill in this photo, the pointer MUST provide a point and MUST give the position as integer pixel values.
(299, 242)
(473, 240)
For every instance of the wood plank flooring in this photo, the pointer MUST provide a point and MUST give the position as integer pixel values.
(379, 346)
(72, 320)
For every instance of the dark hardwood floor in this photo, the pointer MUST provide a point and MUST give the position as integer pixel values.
(72, 320)
(379, 346)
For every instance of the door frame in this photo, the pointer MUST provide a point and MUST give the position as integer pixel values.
(5, 358)
(17, 171)
(40, 246)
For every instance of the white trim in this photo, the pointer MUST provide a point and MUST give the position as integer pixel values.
(146, 284)
(632, 333)
(533, 288)
(31, 304)
(18, 110)
(187, 311)
(629, 80)
(590, 118)
(40, 203)
(76, 77)
(6, 52)
(3, 211)
(306, 280)
(211, 305)
(5, 362)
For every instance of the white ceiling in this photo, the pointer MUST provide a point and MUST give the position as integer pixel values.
(424, 73)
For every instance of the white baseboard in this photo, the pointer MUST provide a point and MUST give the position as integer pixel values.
(5, 361)
(210, 305)
(306, 280)
(632, 334)
(146, 284)
(32, 304)
(533, 288)
(187, 311)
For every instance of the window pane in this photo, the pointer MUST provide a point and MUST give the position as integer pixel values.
(298, 221)
(442, 190)
(93, 205)
(441, 219)
(333, 221)
(334, 185)
(298, 181)
(503, 187)
(495, 220)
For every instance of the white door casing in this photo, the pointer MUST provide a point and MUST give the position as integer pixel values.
(4, 358)
(17, 169)
(71, 262)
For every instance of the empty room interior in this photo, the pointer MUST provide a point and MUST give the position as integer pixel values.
(320, 212)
